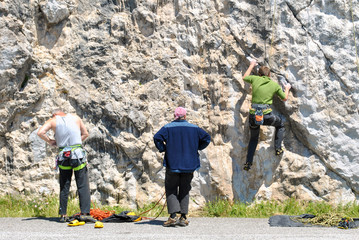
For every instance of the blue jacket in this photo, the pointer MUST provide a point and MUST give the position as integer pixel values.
(181, 141)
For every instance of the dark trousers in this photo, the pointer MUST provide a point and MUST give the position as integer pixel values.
(177, 187)
(270, 119)
(83, 189)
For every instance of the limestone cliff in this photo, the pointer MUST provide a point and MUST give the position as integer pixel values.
(124, 65)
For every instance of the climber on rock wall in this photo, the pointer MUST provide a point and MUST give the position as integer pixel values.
(263, 91)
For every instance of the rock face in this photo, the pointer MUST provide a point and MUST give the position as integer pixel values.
(124, 65)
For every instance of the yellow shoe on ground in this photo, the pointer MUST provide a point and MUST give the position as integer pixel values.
(98, 224)
(73, 223)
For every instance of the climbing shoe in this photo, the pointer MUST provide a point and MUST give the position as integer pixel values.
(279, 151)
(98, 224)
(183, 222)
(171, 222)
(87, 218)
(63, 219)
(247, 166)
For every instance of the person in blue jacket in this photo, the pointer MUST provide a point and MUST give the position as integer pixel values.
(180, 141)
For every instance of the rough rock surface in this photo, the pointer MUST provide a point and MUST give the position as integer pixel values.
(124, 65)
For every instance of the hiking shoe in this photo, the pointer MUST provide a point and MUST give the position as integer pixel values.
(279, 151)
(63, 219)
(247, 166)
(171, 222)
(87, 218)
(183, 222)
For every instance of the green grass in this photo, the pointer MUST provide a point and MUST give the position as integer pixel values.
(265, 209)
(47, 206)
(33, 206)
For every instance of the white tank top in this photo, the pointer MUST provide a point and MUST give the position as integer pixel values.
(67, 132)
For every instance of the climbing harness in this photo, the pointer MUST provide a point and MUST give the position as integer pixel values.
(259, 110)
(65, 161)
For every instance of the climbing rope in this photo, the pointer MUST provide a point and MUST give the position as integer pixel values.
(273, 30)
(307, 79)
(355, 45)
(151, 219)
(100, 214)
(325, 220)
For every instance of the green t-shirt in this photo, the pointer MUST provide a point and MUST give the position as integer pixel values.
(263, 89)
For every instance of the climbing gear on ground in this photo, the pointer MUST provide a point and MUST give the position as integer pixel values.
(182, 221)
(97, 214)
(247, 166)
(171, 222)
(124, 216)
(75, 223)
(326, 220)
(290, 221)
(348, 223)
(279, 151)
(82, 218)
(68, 159)
(131, 214)
(86, 218)
(344, 223)
(98, 224)
(100, 214)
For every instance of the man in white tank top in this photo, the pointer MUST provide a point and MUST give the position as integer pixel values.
(69, 131)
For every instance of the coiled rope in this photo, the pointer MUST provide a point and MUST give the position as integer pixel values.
(100, 214)
(325, 220)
